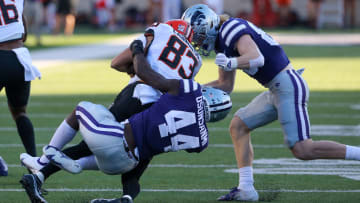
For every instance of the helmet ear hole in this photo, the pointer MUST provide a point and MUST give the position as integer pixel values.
(217, 104)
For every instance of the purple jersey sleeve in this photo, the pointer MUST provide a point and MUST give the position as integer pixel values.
(275, 58)
(232, 30)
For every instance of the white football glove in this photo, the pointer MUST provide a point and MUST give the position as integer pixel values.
(225, 63)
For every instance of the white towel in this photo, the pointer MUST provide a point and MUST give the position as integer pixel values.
(31, 72)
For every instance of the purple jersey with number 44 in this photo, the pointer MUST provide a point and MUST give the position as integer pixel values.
(274, 55)
(173, 123)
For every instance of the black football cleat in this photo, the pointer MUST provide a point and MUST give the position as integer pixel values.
(32, 186)
(123, 199)
(101, 200)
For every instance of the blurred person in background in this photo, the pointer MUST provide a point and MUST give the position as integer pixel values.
(154, 12)
(350, 13)
(263, 14)
(16, 71)
(50, 14)
(216, 5)
(171, 9)
(65, 16)
(313, 7)
(34, 14)
(163, 10)
(284, 12)
(105, 14)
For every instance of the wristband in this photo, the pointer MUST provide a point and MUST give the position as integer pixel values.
(233, 63)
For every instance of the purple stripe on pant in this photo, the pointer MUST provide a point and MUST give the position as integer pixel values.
(97, 124)
(298, 119)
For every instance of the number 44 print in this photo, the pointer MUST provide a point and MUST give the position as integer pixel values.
(175, 120)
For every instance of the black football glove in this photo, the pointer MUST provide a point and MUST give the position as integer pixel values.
(136, 47)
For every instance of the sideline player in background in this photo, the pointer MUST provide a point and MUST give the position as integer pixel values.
(16, 69)
(241, 45)
(168, 41)
(177, 121)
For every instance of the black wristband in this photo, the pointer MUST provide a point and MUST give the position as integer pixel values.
(136, 47)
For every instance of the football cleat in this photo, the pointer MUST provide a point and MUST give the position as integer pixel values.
(105, 200)
(33, 164)
(61, 160)
(126, 199)
(236, 194)
(3, 167)
(123, 199)
(32, 185)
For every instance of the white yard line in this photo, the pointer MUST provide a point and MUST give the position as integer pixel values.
(315, 104)
(312, 104)
(176, 190)
(63, 115)
(328, 39)
(355, 106)
(280, 166)
(316, 130)
(263, 146)
(60, 55)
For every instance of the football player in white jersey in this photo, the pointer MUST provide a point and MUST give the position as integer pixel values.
(176, 59)
(16, 70)
(241, 45)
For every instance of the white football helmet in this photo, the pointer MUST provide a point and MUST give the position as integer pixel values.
(206, 24)
(217, 104)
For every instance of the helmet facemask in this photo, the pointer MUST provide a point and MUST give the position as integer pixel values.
(205, 23)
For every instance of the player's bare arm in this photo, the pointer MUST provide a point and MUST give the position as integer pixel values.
(250, 56)
(123, 61)
(147, 74)
(248, 51)
(225, 81)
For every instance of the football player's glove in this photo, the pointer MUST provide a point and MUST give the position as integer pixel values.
(136, 47)
(225, 63)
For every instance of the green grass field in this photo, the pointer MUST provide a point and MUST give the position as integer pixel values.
(334, 108)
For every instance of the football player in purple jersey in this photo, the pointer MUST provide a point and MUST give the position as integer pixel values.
(240, 45)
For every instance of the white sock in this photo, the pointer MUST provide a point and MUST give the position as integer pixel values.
(352, 153)
(246, 178)
(40, 176)
(63, 135)
(88, 163)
